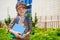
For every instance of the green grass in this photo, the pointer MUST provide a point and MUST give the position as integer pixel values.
(37, 34)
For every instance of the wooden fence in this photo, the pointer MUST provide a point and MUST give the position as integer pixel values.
(48, 22)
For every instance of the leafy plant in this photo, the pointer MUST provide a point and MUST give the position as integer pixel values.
(8, 20)
(30, 17)
(0, 23)
(39, 34)
(35, 21)
(3, 34)
(49, 34)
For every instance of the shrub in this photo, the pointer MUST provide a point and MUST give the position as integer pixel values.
(49, 34)
(3, 34)
(8, 20)
(0, 23)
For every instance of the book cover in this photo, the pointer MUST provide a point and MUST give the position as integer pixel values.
(18, 28)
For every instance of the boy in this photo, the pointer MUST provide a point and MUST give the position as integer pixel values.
(23, 20)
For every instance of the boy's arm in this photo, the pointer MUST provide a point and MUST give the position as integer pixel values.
(11, 24)
(30, 29)
(30, 26)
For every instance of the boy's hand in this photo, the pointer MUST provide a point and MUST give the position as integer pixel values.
(16, 34)
(25, 35)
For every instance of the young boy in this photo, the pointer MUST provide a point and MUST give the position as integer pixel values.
(23, 20)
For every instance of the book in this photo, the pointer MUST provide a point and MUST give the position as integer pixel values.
(17, 28)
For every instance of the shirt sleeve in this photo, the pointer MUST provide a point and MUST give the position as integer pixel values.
(11, 24)
(30, 26)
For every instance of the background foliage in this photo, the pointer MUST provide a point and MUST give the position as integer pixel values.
(37, 34)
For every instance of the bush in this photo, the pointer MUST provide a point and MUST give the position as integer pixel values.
(0, 23)
(37, 34)
(41, 34)
(3, 34)
(8, 20)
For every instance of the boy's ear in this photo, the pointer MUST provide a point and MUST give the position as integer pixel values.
(16, 10)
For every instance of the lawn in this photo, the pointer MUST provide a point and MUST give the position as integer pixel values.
(37, 34)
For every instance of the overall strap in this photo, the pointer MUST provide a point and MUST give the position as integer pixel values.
(27, 22)
(16, 20)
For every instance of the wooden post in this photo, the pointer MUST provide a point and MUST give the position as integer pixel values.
(58, 20)
(51, 22)
(40, 20)
(45, 22)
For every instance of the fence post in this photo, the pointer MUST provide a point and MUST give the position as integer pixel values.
(40, 20)
(51, 22)
(45, 23)
(58, 20)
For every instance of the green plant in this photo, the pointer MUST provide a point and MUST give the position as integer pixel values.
(35, 21)
(49, 34)
(3, 34)
(39, 34)
(0, 23)
(32, 21)
(8, 20)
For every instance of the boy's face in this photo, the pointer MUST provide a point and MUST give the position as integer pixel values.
(21, 10)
